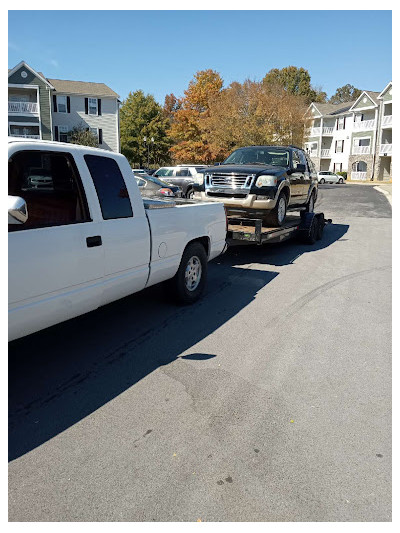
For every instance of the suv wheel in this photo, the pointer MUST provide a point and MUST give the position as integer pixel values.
(277, 215)
(190, 193)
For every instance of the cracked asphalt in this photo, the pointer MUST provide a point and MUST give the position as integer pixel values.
(269, 400)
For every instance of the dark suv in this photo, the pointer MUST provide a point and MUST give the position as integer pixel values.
(263, 182)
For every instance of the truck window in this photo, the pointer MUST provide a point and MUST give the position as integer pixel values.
(110, 187)
(50, 184)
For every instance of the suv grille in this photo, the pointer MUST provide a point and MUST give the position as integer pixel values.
(233, 181)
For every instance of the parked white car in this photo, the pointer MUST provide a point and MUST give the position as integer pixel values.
(89, 238)
(325, 176)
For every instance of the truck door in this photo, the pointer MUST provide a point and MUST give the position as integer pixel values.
(56, 263)
(125, 230)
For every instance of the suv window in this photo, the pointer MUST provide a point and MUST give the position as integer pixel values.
(110, 187)
(182, 172)
(50, 184)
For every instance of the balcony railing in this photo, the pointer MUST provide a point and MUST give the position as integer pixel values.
(315, 131)
(385, 149)
(361, 150)
(364, 125)
(25, 136)
(362, 176)
(326, 152)
(23, 107)
(327, 130)
(386, 120)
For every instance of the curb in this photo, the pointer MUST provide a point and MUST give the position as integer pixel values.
(388, 195)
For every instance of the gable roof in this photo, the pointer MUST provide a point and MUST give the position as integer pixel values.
(69, 86)
(332, 109)
(372, 95)
(34, 72)
(82, 87)
(385, 90)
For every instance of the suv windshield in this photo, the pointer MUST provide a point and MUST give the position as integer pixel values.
(266, 155)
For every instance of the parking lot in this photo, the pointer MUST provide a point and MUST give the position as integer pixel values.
(268, 400)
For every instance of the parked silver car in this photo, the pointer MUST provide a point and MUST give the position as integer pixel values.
(325, 176)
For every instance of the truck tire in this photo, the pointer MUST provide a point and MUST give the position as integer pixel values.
(189, 282)
(277, 215)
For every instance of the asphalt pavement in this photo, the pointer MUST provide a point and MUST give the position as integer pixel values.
(268, 400)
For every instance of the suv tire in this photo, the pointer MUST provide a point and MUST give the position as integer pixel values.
(277, 215)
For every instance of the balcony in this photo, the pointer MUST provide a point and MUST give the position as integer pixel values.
(326, 152)
(364, 125)
(361, 150)
(361, 176)
(386, 121)
(315, 131)
(23, 108)
(327, 130)
(25, 136)
(385, 149)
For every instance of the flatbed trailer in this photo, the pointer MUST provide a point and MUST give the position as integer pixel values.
(307, 227)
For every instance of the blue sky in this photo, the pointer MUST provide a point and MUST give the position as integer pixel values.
(159, 51)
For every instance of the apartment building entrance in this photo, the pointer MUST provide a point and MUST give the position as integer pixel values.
(384, 168)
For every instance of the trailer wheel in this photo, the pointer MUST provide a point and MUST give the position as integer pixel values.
(320, 226)
(189, 282)
(310, 236)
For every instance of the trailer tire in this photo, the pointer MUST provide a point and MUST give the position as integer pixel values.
(189, 282)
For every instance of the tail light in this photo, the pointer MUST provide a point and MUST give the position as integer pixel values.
(166, 192)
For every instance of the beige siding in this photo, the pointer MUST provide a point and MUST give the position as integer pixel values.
(107, 121)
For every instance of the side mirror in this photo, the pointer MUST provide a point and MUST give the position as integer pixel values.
(17, 210)
(299, 168)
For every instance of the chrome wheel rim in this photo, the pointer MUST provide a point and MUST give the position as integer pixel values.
(281, 209)
(193, 273)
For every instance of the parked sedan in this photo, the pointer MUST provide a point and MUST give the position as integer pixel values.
(329, 177)
(151, 186)
(185, 176)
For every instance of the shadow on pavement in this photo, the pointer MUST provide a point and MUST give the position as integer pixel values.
(61, 375)
(284, 253)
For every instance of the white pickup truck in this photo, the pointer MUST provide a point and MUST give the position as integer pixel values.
(81, 235)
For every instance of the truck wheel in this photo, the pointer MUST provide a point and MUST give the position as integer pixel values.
(276, 216)
(311, 203)
(189, 282)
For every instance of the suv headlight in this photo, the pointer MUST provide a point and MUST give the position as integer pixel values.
(198, 178)
(266, 181)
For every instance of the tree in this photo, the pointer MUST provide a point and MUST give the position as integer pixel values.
(347, 93)
(191, 145)
(250, 113)
(295, 81)
(81, 134)
(141, 116)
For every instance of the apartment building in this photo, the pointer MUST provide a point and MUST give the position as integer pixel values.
(355, 137)
(44, 108)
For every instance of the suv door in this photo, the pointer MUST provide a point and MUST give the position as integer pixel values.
(56, 256)
(297, 181)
